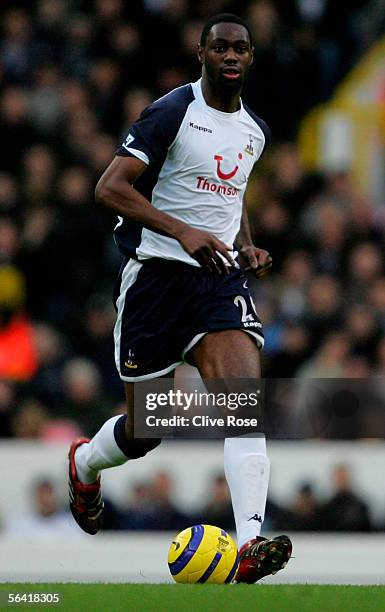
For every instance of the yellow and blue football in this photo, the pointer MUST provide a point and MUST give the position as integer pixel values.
(203, 553)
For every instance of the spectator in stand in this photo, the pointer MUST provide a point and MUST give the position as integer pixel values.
(101, 153)
(323, 308)
(345, 510)
(9, 197)
(39, 173)
(297, 273)
(76, 51)
(218, 510)
(150, 506)
(52, 352)
(166, 513)
(303, 513)
(365, 266)
(273, 230)
(32, 420)
(294, 350)
(328, 362)
(364, 332)
(139, 511)
(44, 100)
(17, 48)
(135, 101)
(94, 339)
(82, 395)
(47, 518)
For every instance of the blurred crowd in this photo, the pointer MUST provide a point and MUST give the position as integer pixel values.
(150, 505)
(74, 75)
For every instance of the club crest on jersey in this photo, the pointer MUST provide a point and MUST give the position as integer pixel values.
(130, 362)
(225, 176)
(249, 148)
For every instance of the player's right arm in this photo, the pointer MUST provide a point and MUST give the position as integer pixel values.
(115, 190)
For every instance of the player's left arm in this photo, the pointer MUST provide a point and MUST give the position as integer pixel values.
(251, 257)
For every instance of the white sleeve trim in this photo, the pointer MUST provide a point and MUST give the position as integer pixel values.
(138, 154)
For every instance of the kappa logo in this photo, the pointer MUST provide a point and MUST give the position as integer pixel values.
(201, 128)
(256, 517)
(130, 362)
(226, 176)
(252, 324)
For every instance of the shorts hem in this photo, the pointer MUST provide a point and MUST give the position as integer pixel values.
(193, 342)
(259, 339)
(151, 374)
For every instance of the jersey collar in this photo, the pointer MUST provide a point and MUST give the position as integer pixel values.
(197, 88)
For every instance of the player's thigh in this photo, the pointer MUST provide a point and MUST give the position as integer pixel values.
(129, 389)
(231, 353)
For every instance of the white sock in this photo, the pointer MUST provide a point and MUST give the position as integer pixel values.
(100, 453)
(247, 470)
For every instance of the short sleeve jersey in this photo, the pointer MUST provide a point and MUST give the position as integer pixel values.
(199, 160)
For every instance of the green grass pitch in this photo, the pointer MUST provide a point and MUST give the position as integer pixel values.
(197, 598)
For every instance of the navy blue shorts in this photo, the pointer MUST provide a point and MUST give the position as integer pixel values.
(164, 308)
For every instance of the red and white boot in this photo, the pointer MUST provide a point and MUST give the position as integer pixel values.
(262, 557)
(85, 500)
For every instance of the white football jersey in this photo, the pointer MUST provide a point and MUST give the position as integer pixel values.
(199, 161)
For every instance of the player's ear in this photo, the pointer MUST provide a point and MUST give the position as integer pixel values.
(201, 54)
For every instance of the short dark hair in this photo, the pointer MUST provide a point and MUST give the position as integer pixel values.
(223, 18)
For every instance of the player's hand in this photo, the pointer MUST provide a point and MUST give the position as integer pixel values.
(206, 250)
(255, 260)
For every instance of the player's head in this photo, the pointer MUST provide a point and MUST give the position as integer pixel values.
(226, 51)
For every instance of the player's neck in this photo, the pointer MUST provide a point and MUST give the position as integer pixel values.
(225, 101)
